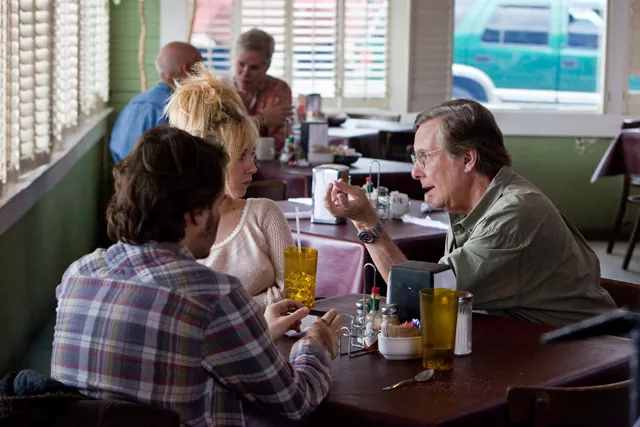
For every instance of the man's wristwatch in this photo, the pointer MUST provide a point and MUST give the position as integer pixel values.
(370, 235)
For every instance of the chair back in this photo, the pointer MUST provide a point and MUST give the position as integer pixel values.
(625, 294)
(339, 265)
(602, 405)
(376, 116)
(274, 189)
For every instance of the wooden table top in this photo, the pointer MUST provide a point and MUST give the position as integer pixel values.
(505, 352)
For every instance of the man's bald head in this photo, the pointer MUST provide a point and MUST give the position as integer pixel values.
(175, 60)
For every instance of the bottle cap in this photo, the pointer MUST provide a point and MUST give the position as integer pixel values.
(375, 291)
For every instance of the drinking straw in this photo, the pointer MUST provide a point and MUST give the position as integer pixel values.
(298, 229)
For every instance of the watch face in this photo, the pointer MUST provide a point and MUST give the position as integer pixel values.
(366, 236)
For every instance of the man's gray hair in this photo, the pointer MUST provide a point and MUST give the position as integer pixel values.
(468, 125)
(259, 41)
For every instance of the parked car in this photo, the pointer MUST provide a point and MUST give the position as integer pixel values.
(532, 51)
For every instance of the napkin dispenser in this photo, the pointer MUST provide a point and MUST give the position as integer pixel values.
(407, 279)
(314, 133)
(322, 177)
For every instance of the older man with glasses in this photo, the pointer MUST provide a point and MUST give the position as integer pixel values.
(508, 244)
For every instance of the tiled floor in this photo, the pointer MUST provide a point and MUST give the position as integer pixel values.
(611, 264)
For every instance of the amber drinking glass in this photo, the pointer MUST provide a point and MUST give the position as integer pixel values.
(438, 319)
(300, 267)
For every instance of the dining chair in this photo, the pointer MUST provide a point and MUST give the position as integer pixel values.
(629, 182)
(396, 145)
(376, 116)
(274, 189)
(340, 263)
(624, 294)
(601, 405)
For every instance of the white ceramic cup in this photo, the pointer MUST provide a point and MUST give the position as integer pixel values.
(265, 148)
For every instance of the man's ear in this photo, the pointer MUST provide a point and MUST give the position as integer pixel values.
(189, 218)
(194, 217)
(470, 160)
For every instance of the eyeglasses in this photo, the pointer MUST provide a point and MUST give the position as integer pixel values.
(421, 158)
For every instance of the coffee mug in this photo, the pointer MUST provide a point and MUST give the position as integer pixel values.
(265, 148)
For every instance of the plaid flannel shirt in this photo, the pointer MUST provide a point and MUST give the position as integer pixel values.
(147, 323)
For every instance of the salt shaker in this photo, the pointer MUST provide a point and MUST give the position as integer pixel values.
(463, 326)
(383, 203)
(358, 323)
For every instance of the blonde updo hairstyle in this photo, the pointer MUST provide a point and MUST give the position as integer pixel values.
(205, 106)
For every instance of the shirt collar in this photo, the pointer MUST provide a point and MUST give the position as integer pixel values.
(490, 196)
(156, 247)
(164, 87)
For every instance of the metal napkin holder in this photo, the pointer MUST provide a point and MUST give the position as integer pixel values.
(353, 348)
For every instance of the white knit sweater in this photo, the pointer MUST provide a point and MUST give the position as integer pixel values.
(254, 251)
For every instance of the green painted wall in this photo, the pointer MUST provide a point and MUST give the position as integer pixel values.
(125, 33)
(36, 251)
(563, 172)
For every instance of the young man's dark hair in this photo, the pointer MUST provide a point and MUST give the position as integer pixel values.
(167, 174)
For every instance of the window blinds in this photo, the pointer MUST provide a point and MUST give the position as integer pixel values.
(314, 40)
(94, 54)
(212, 33)
(430, 75)
(337, 48)
(65, 66)
(632, 99)
(4, 58)
(54, 63)
(365, 48)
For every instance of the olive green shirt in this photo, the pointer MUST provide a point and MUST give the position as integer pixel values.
(520, 257)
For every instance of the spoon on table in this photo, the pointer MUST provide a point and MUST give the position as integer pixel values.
(422, 376)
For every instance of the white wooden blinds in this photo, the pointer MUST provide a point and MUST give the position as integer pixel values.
(54, 64)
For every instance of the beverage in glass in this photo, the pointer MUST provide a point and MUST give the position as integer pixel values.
(300, 274)
(438, 319)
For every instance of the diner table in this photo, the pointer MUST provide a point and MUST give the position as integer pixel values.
(622, 157)
(363, 135)
(505, 352)
(417, 242)
(393, 174)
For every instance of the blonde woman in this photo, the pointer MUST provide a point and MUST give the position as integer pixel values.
(252, 233)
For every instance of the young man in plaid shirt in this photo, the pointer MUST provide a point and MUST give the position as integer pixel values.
(143, 321)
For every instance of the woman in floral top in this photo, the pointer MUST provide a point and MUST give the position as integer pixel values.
(266, 98)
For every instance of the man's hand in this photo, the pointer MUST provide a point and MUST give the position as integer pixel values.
(348, 201)
(325, 331)
(280, 321)
(276, 114)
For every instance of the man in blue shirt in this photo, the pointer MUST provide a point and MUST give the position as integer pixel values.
(143, 112)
